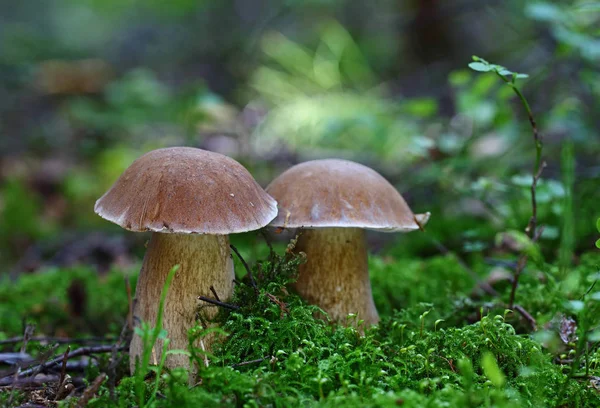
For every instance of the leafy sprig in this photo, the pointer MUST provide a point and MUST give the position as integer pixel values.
(481, 65)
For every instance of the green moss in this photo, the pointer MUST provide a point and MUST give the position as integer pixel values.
(407, 282)
(69, 302)
(277, 354)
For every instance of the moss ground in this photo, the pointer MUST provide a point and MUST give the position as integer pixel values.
(437, 344)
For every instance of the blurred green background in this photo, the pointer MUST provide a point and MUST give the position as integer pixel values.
(87, 86)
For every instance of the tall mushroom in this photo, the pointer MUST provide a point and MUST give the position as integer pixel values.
(190, 199)
(335, 201)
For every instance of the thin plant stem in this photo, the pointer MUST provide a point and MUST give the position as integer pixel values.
(537, 172)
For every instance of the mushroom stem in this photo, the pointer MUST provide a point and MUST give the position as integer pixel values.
(205, 261)
(335, 276)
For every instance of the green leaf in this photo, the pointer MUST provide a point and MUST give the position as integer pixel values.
(481, 67)
(575, 305)
(598, 224)
(598, 243)
(524, 180)
(466, 369)
(491, 370)
(594, 336)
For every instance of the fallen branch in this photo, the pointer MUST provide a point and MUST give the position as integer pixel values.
(15, 358)
(245, 363)
(218, 303)
(83, 351)
(40, 381)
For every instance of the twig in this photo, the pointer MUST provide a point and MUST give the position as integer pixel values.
(245, 363)
(449, 361)
(63, 371)
(526, 316)
(83, 351)
(91, 391)
(587, 292)
(29, 329)
(252, 282)
(519, 269)
(283, 309)
(219, 303)
(515, 281)
(531, 226)
(214, 292)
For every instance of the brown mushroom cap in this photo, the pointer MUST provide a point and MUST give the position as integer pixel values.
(187, 190)
(340, 193)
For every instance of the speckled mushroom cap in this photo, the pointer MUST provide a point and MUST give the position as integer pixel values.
(187, 190)
(340, 193)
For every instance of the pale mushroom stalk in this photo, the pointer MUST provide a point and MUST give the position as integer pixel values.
(349, 290)
(191, 200)
(205, 261)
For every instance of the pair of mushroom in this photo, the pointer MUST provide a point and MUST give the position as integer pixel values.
(192, 199)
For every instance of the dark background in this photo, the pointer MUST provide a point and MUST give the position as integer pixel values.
(86, 86)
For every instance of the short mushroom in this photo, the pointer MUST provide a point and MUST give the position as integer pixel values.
(190, 199)
(334, 201)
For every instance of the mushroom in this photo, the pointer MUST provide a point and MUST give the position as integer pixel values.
(335, 201)
(190, 199)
